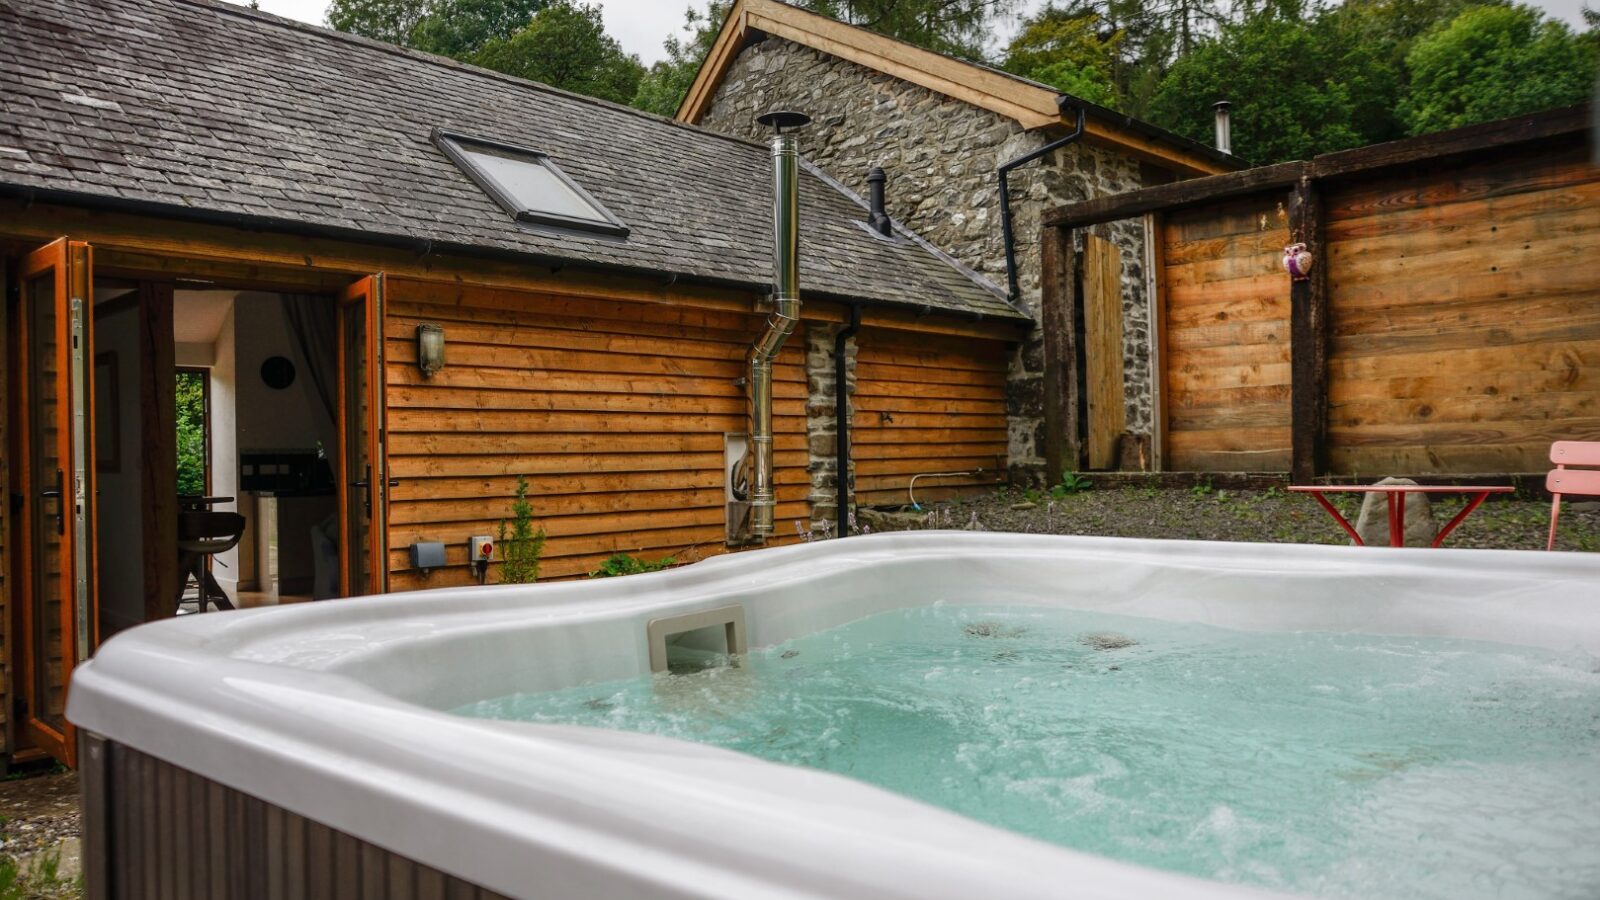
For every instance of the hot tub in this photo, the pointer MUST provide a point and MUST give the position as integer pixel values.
(311, 750)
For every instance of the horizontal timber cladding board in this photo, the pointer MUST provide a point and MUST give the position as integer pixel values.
(159, 831)
(1227, 336)
(615, 413)
(1464, 325)
(925, 404)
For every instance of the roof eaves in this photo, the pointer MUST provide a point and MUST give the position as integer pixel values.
(423, 246)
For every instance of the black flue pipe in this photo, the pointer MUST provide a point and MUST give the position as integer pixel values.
(841, 416)
(878, 215)
(1063, 102)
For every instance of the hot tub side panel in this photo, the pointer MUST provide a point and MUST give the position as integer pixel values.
(152, 829)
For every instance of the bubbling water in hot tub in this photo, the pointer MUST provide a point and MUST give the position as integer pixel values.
(1330, 764)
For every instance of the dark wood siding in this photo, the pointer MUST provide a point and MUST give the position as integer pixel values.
(927, 403)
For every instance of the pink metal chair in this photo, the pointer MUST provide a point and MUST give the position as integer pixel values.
(1562, 480)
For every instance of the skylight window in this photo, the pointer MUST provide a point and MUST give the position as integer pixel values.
(528, 184)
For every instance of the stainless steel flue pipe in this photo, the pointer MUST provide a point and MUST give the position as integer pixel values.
(781, 322)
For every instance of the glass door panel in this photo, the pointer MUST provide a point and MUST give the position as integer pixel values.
(57, 580)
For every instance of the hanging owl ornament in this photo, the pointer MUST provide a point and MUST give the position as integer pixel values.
(1297, 262)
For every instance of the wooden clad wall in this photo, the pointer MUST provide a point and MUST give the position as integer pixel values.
(1464, 305)
(1227, 337)
(927, 403)
(614, 411)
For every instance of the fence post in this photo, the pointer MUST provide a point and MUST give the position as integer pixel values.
(1057, 316)
(1308, 338)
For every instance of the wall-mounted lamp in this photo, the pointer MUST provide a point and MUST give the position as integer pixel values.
(430, 349)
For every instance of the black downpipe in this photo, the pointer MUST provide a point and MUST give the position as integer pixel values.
(1064, 102)
(841, 416)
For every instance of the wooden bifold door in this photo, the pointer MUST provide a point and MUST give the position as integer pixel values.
(53, 476)
(363, 475)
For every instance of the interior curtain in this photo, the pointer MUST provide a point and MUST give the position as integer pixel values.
(313, 324)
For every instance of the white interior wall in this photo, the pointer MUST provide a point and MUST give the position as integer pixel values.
(273, 420)
(225, 453)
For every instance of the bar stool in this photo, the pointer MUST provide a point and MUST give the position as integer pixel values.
(200, 536)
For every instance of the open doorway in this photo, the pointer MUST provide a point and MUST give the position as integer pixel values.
(286, 412)
(253, 431)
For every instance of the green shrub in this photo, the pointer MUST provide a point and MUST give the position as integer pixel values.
(624, 564)
(522, 546)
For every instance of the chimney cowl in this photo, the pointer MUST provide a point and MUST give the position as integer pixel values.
(878, 219)
(1224, 125)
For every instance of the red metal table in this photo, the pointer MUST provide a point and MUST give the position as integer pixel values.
(1396, 496)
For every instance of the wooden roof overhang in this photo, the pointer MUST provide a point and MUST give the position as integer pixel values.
(1032, 105)
(1569, 122)
(201, 251)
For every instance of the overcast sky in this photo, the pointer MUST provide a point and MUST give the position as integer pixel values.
(641, 25)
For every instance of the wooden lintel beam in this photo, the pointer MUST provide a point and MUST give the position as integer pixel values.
(1471, 139)
(1572, 120)
(1308, 339)
(1179, 194)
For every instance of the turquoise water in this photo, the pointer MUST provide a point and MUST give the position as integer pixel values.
(1333, 765)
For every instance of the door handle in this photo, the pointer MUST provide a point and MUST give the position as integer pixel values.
(56, 494)
(366, 488)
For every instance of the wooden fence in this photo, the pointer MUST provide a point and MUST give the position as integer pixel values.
(1451, 324)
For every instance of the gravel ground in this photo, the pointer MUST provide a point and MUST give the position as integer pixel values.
(40, 843)
(1214, 514)
(38, 811)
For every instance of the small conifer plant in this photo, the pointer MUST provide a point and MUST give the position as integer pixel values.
(520, 545)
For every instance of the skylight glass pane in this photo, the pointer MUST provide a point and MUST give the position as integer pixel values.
(532, 185)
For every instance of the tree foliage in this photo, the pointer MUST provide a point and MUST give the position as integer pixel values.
(664, 86)
(454, 28)
(1495, 61)
(191, 434)
(957, 27)
(1294, 93)
(1074, 51)
(1306, 78)
(566, 45)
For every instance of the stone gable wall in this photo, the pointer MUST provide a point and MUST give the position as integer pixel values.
(941, 155)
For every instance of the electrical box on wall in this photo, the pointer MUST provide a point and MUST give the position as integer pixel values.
(480, 552)
(427, 555)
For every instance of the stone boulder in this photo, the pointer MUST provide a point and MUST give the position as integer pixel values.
(1373, 523)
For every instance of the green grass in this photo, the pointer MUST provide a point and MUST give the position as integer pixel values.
(42, 880)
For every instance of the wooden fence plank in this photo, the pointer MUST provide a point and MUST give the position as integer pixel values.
(1308, 328)
(1102, 331)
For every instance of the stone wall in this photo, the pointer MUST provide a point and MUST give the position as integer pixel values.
(941, 155)
(821, 423)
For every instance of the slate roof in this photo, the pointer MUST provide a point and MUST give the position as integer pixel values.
(203, 108)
